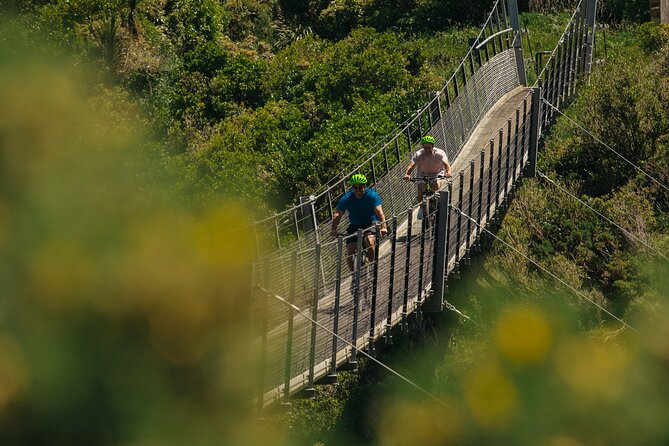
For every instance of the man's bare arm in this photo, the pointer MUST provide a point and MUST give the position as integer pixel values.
(335, 222)
(409, 169)
(378, 210)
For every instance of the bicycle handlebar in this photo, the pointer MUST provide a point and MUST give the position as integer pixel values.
(365, 232)
(429, 178)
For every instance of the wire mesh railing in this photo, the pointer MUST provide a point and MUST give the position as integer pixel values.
(485, 74)
(410, 267)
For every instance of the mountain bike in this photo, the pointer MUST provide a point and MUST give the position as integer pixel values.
(365, 268)
(429, 204)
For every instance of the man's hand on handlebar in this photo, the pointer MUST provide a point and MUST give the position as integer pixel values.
(426, 177)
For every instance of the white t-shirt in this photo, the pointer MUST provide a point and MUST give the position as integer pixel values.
(432, 164)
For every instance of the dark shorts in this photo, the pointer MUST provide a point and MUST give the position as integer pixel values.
(353, 229)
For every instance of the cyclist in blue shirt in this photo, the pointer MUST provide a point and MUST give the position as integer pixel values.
(364, 210)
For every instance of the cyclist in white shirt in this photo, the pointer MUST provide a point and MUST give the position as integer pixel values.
(431, 163)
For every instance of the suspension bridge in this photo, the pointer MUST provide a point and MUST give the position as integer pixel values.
(310, 316)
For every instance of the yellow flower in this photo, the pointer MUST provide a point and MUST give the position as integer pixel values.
(407, 423)
(523, 336)
(491, 396)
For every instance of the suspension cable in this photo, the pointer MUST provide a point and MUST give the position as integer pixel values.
(452, 308)
(659, 183)
(562, 281)
(362, 352)
(629, 234)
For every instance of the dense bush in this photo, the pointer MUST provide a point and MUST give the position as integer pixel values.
(626, 107)
(625, 11)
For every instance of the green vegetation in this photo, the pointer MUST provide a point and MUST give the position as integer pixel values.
(129, 125)
(236, 94)
(626, 106)
(544, 366)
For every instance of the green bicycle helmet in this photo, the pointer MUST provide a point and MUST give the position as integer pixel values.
(357, 178)
(428, 140)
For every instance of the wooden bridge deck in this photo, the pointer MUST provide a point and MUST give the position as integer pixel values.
(489, 127)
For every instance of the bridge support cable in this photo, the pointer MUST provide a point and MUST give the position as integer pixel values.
(625, 231)
(452, 308)
(553, 275)
(355, 348)
(639, 169)
(398, 281)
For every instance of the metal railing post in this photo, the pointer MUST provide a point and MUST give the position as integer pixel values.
(489, 211)
(499, 174)
(297, 224)
(531, 169)
(565, 68)
(407, 266)
(516, 138)
(570, 61)
(436, 302)
(524, 138)
(356, 298)
(435, 109)
(329, 198)
(508, 163)
(590, 30)
(421, 259)
(459, 230)
(289, 340)
(580, 43)
(375, 278)
(517, 41)
(264, 316)
(335, 323)
(468, 253)
(310, 391)
(558, 77)
(397, 150)
(308, 212)
(391, 282)
(480, 210)
(448, 236)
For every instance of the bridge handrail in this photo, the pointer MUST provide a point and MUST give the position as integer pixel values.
(403, 128)
(425, 259)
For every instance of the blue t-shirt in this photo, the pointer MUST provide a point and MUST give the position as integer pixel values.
(360, 210)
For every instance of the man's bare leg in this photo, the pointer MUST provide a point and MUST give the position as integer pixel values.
(350, 252)
(421, 191)
(370, 241)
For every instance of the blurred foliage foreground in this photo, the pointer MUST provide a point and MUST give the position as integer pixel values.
(120, 316)
(534, 377)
